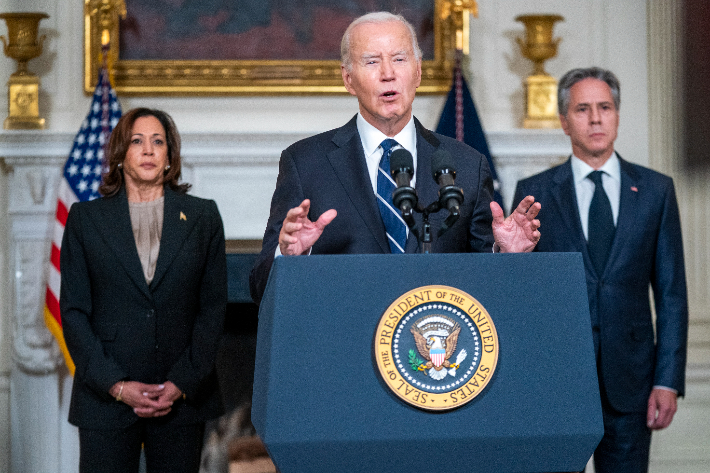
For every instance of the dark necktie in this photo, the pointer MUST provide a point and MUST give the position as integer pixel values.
(600, 227)
(394, 225)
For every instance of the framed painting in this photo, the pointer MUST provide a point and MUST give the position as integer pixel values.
(247, 47)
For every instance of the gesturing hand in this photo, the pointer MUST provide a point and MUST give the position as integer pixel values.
(519, 232)
(298, 234)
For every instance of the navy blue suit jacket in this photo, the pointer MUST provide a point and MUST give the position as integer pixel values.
(330, 170)
(647, 249)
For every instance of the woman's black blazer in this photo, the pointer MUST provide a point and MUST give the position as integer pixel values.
(117, 327)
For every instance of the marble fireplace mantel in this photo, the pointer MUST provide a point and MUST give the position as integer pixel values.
(237, 170)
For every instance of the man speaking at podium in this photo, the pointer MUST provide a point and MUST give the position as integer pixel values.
(334, 194)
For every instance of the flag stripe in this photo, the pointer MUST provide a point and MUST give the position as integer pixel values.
(56, 330)
(62, 213)
(54, 258)
(53, 281)
(53, 306)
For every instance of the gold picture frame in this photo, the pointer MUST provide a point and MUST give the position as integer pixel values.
(244, 77)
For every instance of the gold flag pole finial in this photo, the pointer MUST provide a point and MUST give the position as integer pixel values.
(108, 13)
(459, 12)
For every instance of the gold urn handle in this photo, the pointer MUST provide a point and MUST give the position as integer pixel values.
(538, 45)
(21, 43)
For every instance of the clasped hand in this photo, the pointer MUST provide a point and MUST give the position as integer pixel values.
(147, 400)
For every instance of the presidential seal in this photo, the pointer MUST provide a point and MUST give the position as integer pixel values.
(436, 347)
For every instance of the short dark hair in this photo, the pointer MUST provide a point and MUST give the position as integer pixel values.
(120, 140)
(576, 75)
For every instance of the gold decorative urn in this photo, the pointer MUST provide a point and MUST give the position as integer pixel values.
(22, 44)
(540, 87)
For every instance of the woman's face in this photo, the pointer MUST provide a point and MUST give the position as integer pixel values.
(147, 154)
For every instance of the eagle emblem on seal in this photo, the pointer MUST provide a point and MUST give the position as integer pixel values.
(435, 337)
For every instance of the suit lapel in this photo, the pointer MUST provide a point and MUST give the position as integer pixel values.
(565, 195)
(426, 187)
(178, 221)
(427, 143)
(115, 228)
(348, 162)
(628, 203)
(565, 198)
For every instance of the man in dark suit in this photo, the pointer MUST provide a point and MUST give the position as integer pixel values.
(340, 172)
(624, 220)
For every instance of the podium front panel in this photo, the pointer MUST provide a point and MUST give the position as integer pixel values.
(319, 402)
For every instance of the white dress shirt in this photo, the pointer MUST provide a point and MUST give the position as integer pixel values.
(611, 180)
(371, 138)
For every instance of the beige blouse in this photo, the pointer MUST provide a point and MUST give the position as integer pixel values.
(147, 223)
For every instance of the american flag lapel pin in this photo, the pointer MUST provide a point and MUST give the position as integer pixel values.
(634, 188)
(183, 217)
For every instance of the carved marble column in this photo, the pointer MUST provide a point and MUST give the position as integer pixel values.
(33, 348)
(36, 375)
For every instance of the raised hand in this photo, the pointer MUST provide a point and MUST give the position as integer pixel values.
(298, 234)
(519, 232)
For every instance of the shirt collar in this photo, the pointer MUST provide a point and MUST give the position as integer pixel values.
(371, 137)
(580, 169)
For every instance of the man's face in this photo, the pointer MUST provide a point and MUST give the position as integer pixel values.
(592, 121)
(384, 74)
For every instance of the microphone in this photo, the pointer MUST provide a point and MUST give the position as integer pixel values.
(442, 168)
(404, 197)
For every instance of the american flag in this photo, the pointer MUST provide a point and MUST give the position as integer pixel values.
(80, 182)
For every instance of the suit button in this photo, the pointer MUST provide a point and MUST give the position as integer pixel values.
(150, 313)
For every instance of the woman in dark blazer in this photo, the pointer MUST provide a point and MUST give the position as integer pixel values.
(143, 296)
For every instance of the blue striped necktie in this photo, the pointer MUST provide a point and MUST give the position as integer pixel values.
(600, 227)
(394, 225)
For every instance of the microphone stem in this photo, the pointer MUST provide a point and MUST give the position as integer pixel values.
(426, 233)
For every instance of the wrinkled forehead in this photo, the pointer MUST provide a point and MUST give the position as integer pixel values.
(390, 37)
(591, 91)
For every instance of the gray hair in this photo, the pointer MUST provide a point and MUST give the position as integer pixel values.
(576, 75)
(376, 18)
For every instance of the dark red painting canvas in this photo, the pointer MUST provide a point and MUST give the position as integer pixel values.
(255, 29)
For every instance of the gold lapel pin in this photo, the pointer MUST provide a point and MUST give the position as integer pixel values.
(183, 217)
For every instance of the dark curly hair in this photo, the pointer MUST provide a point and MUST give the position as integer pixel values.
(120, 140)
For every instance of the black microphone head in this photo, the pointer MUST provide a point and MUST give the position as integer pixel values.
(442, 162)
(401, 161)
